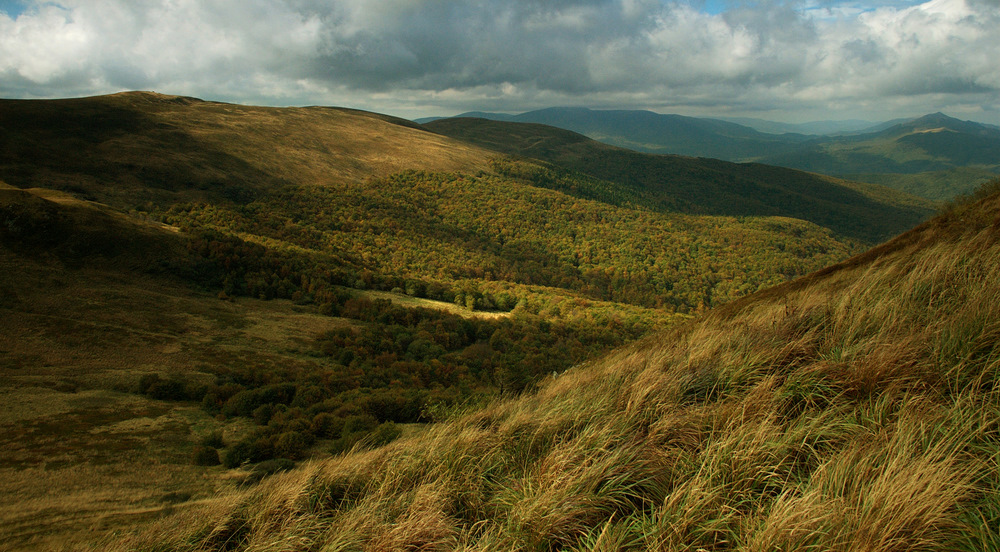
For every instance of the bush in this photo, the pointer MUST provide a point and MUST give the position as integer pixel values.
(213, 440)
(206, 456)
(326, 426)
(263, 413)
(147, 381)
(291, 444)
(359, 424)
(362, 430)
(384, 434)
(248, 451)
(245, 402)
(152, 385)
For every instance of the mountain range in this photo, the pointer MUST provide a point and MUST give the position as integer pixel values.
(700, 185)
(934, 156)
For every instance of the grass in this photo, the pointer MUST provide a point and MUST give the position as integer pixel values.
(857, 410)
(132, 148)
(83, 456)
(407, 301)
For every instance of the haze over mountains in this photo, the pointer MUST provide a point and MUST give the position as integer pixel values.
(949, 154)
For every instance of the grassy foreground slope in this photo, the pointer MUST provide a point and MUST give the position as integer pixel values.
(854, 409)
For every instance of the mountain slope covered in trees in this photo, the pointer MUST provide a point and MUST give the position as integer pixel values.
(933, 142)
(697, 185)
(935, 156)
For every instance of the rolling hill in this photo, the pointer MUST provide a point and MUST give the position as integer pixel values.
(651, 132)
(854, 409)
(130, 148)
(930, 143)
(935, 156)
(704, 186)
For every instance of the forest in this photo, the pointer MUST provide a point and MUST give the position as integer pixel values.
(526, 243)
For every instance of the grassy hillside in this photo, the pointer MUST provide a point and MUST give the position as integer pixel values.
(704, 186)
(855, 409)
(132, 148)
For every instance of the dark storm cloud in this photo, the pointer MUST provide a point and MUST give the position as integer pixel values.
(444, 55)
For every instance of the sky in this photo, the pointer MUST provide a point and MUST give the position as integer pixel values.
(783, 60)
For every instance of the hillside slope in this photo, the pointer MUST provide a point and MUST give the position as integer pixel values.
(651, 132)
(933, 142)
(147, 151)
(855, 409)
(130, 148)
(707, 186)
(934, 157)
(388, 204)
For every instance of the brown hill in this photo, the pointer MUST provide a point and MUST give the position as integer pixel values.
(133, 147)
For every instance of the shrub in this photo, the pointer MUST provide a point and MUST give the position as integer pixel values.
(214, 440)
(326, 426)
(169, 390)
(206, 456)
(291, 444)
(263, 413)
(248, 451)
(384, 434)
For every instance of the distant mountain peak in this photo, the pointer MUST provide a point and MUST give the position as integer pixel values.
(936, 122)
(937, 117)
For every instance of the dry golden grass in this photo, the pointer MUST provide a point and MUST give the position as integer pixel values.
(855, 410)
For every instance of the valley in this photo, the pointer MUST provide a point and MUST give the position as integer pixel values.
(198, 297)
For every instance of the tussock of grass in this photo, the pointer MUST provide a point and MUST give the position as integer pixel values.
(858, 411)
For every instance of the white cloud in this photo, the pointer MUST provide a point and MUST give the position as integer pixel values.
(445, 55)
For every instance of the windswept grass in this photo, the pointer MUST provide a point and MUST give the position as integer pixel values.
(857, 412)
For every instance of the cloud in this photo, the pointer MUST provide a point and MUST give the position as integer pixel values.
(518, 54)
